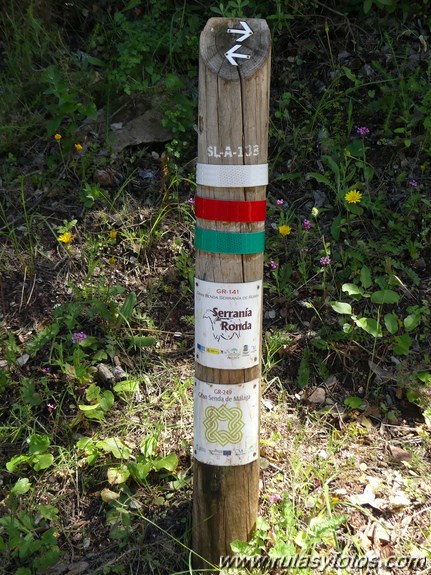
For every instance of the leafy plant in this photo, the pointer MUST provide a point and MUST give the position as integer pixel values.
(66, 106)
(148, 461)
(418, 391)
(38, 457)
(232, 8)
(285, 532)
(139, 469)
(99, 402)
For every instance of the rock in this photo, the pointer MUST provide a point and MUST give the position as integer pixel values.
(107, 178)
(21, 361)
(136, 120)
(144, 129)
(318, 395)
(398, 454)
(78, 568)
(119, 373)
(104, 374)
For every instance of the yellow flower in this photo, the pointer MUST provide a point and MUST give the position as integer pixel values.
(65, 238)
(57, 137)
(112, 260)
(284, 230)
(78, 148)
(353, 197)
(113, 234)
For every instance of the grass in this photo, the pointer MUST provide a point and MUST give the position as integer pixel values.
(96, 288)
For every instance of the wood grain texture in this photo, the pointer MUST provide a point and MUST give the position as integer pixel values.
(232, 129)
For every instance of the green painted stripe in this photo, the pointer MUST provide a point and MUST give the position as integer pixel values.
(229, 242)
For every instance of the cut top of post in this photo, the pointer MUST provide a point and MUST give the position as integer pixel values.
(234, 48)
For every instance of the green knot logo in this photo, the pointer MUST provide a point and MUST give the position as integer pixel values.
(223, 425)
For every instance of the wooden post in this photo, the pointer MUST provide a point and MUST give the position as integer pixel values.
(234, 78)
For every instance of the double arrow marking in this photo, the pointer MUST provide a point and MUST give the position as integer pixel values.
(246, 32)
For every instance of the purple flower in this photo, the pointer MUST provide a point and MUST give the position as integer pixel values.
(325, 261)
(306, 225)
(273, 264)
(78, 336)
(274, 498)
(50, 407)
(362, 131)
(413, 183)
(280, 202)
(191, 201)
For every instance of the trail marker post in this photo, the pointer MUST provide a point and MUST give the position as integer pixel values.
(231, 176)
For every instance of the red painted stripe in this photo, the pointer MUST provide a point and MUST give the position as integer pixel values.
(229, 210)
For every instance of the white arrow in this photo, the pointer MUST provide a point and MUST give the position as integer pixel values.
(232, 54)
(246, 31)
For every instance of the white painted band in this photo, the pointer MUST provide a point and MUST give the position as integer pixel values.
(238, 176)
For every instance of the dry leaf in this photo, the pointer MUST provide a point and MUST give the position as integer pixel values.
(368, 497)
(108, 496)
(399, 500)
(340, 491)
(365, 422)
(268, 404)
(118, 475)
(272, 536)
(380, 534)
(374, 482)
(364, 541)
(387, 551)
(381, 374)
(377, 533)
(373, 412)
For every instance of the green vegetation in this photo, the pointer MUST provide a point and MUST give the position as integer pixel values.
(96, 282)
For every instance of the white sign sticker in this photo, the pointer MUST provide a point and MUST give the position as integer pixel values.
(228, 324)
(226, 422)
